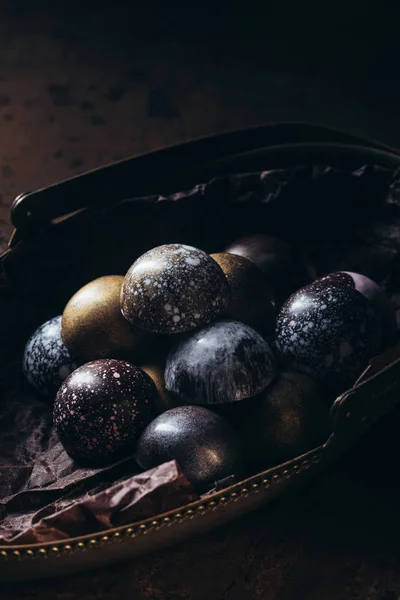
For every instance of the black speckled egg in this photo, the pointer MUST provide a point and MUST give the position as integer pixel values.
(374, 294)
(174, 288)
(47, 361)
(205, 446)
(222, 362)
(329, 332)
(101, 409)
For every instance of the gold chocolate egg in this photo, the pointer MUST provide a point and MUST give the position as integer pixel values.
(155, 369)
(290, 418)
(93, 326)
(252, 300)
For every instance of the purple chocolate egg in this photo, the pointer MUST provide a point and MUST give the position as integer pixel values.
(47, 361)
(204, 444)
(328, 332)
(222, 362)
(102, 408)
(173, 289)
(375, 295)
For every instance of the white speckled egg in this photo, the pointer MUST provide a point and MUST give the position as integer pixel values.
(47, 361)
(329, 332)
(174, 288)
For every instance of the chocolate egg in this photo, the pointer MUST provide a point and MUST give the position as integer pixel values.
(173, 289)
(101, 409)
(155, 370)
(285, 268)
(252, 300)
(329, 332)
(288, 419)
(375, 295)
(93, 326)
(47, 361)
(222, 362)
(205, 446)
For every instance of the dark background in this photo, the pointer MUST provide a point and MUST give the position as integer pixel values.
(85, 83)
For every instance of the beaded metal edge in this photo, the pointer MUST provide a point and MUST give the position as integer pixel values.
(234, 493)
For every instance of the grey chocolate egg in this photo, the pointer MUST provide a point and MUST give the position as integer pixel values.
(329, 332)
(47, 361)
(374, 294)
(101, 409)
(205, 445)
(174, 288)
(221, 362)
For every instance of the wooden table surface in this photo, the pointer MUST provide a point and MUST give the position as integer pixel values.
(98, 83)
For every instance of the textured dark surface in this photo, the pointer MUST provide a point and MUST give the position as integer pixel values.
(76, 92)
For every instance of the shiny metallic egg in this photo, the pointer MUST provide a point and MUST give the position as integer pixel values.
(222, 362)
(290, 418)
(93, 326)
(252, 300)
(205, 445)
(173, 289)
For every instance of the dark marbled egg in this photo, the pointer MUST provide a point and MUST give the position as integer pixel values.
(374, 294)
(252, 301)
(329, 332)
(174, 288)
(47, 361)
(101, 409)
(222, 362)
(285, 267)
(205, 446)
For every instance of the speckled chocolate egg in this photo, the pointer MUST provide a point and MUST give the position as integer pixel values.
(285, 267)
(205, 446)
(252, 301)
(101, 409)
(173, 289)
(374, 294)
(288, 419)
(329, 332)
(93, 326)
(222, 362)
(47, 361)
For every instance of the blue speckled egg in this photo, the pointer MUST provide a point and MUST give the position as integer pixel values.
(173, 289)
(47, 361)
(101, 408)
(329, 332)
(375, 295)
(222, 362)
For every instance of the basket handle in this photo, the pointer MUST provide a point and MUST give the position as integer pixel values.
(146, 174)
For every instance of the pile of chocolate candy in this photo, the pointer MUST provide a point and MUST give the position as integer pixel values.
(226, 362)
